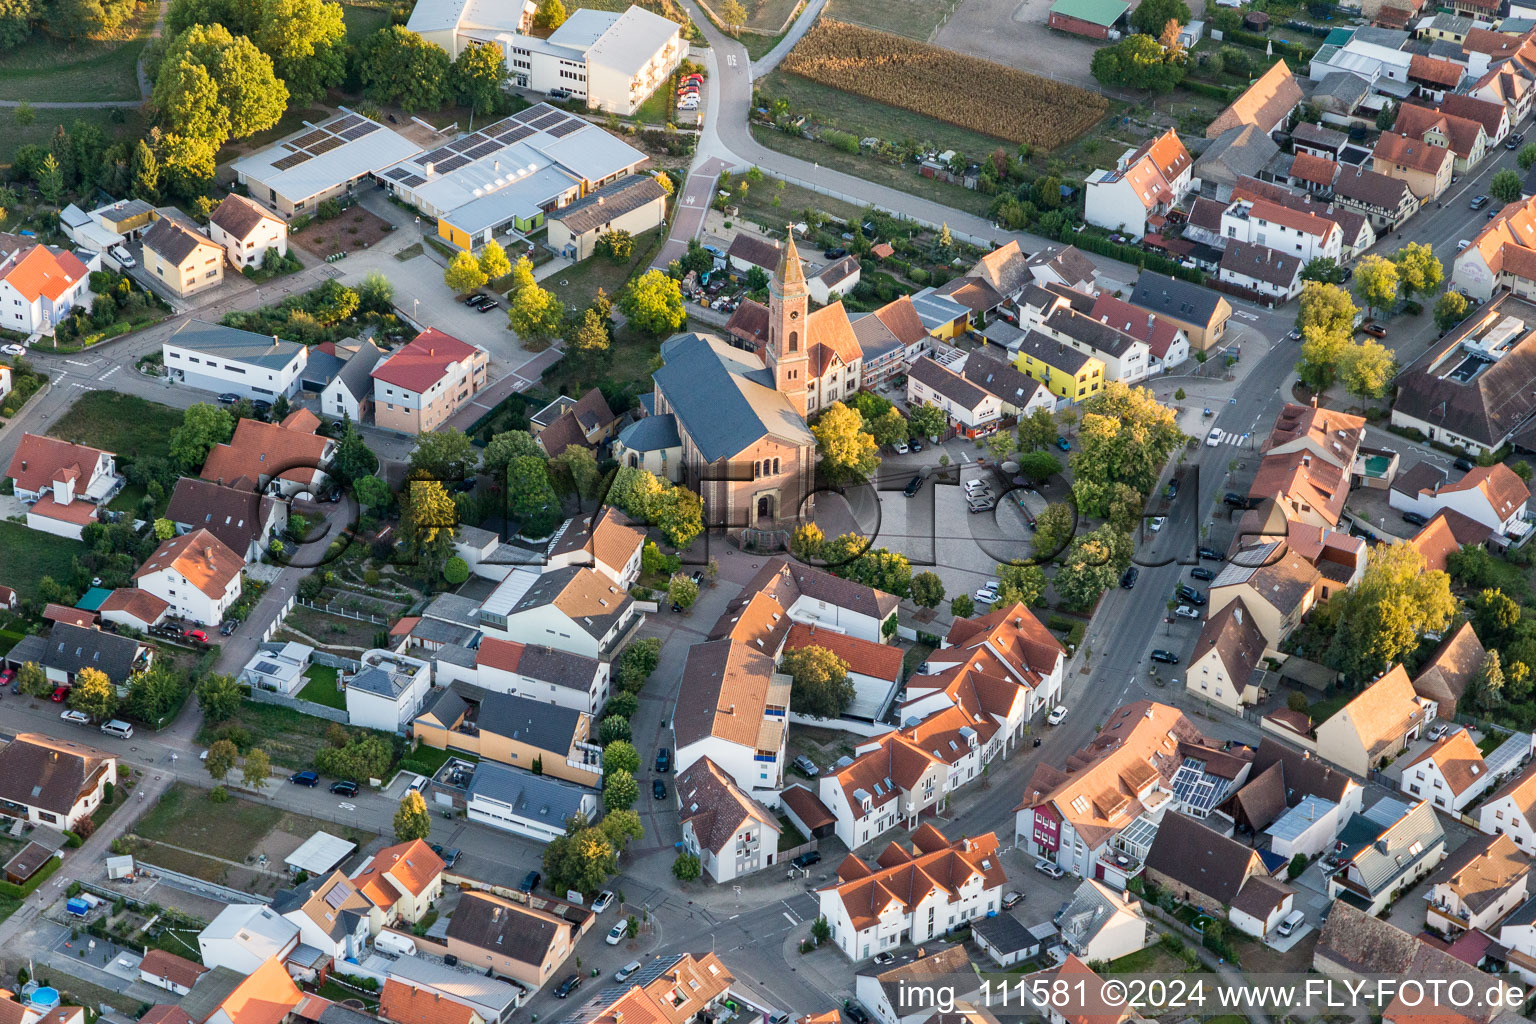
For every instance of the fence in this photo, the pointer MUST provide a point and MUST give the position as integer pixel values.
(332, 609)
(336, 661)
(303, 707)
(277, 620)
(756, 31)
(198, 885)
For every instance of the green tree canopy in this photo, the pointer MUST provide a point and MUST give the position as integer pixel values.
(1369, 368)
(475, 78)
(1504, 186)
(249, 96)
(202, 426)
(927, 590)
(395, 65)
(1152, 16)
(1381, 618)
(847, 452)
(463, 273)
(446, 454)
(412, 819)
(1376, 283)
(535, 312)
(221, 759)
(307, 41)
(93, 693)
(819, 681)
(1091, 566)
(620, 790)
(1451, 309)
(530, 498)
(1327, 307)
(1136, 62)
(654, 303)
(1126, 436)
(218, 696)
(1418, 271)
(621, 755)
(257, 769)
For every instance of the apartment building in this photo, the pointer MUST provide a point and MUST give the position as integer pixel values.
(419, 386)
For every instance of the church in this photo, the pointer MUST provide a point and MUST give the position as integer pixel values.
(740, 414)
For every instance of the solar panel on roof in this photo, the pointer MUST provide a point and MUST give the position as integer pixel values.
(519, 133)
(342, 124)
(414, 180)
(291, 160)
(453, 163)
(336, 896)
(547, 120)
(325, 145)
(484, 149)
(525, 116)
(560, 131)
(460, 145)
(397, 173)
(290, 147)
(441, 153)
(357, 131)
(309, 139)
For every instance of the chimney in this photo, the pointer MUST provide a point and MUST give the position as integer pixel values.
(208, 552)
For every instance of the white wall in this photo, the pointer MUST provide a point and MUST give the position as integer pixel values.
(219, 374)
(186, 599)
(249, 252)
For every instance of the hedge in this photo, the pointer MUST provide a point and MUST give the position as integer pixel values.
(1129, 254)
(1225, 93)
(19, 892)
(1258, 42)
(72, 839)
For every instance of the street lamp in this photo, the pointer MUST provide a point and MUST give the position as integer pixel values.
(414, 304)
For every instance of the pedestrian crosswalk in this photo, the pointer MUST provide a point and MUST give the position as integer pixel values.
(1227, 437)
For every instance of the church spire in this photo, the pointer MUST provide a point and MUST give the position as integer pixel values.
(790, 271)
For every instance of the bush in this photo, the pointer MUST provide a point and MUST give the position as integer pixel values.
(218, 795)
(72, 840)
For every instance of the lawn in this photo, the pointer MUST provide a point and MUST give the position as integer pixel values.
(629, 362)
(1152, 960)
(657, 108)
(362, 22)
(290, 738)
(185, 817)
(321, 688)
(31, 555)
(915, 19)
(758, 45)
(53, 70)
(758, 204)
(115, 122)
(126, 425)
(576, 284)
(425, 760)
(1325, 708)
(334, 630)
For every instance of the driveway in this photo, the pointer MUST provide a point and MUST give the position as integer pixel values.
(1014, 33)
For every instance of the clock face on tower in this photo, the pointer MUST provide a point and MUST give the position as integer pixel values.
(794, 314)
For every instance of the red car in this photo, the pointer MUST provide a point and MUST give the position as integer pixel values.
(60, 693)
(7, 676)
(197, 635)
(695, 77)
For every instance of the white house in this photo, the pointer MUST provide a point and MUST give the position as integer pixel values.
(949, 883)
(731, 834)
(246, 230)
(1297, 233)
(246, 935)
(39, 287)
(900, 993)
(530, 805)
(1224, 658)
(733, 708)
(1491, 495)
(573, 609)
(350, 392)
(74, 478)
(970, 408)
(403, 881)
(605, 541)
(835, 280)
(53, 782)
(196, 574)
(330, 913)
(1450, 773)
(388, 691)
(1477, 886)
(278, 666)
(890, 783)
(212, 357)
(1511, 810)
(543, 674)
(1100, 923)
(1267, 272)
(1145, 184)
(173, 973)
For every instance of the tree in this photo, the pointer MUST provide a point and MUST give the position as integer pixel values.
(1039, 466)
(654, 303)
(1494, 615)
(32, 680)
(372, 492)
(1136, 62)
(164, 529)
(1324, 269)
(1386, 117)
(679, 514)
(880, 568)
(1381, 618)
(806, 542)
(580, 465)
(493, 258)
(1451, 309)
(1418, 271)
(93, 693)
(733, 16)
(257, 769)
(847, 452)
(1091, 566)
(635, 491)
(620, 790)
(221, 759)
(1053, 529)
(531, 499)
(582, 859)
(202, 426)
(1327, 307)
(928, 421)
(446, 454)
(819, 686)
(145, 173)
(475, 78)
(463, 274)
(249, 96)
(353, 459)
(1368, 369)
(1019, 584)
(1126, 436)
(50, 180)
(622, 703)
(455, 571)
(1487, 687)
(962, 606)
(1505, 186)
(155, 693)
(412, 819)
(504, 448)
(927, 590)
(1323, 354)
(621, 755)
(682, 591)
(620, 827)
(306, 40)
(618, 245)
(821, 931)
(218, 696)
(614, 727)
(428, 518)
(549, 14)
(535, 312)
(1376, 283)
(1151, 16)
(395, 65)
(686, 868)
(588, 337)
(637, 662)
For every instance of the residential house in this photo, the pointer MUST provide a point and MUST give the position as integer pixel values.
(1444, 535)
(134, 608)
(196, 574)
(573, 609)
(1492, 115)
(1167, 343)
(184, 259)
(509, 939)
(331, 914)
(1006, 269)
(733, 708)
(246, 230)
(1304, 236)
(69, 648)
(1097, 816)
(1450, 773)
(1094, 1008)
(1298, 799)
(442, 994)
(586, 421)
(53, 782)
(267, 995)
(1319, 140)
(976, 295)
(942, 316)
(1200, 312)
(242, 519)
(1241, 151)
(912, 896)
(635, 203)
(1386, 200)
(1069, 267)
(420, 385)
(39, 287)
(1511, 810)
(1018, 393)
(1436, 77)
(1308, 460)
(1069, 373)
(388, 691)
(412, 1004)
(1444, 677)
(732, 834)
(1126, 358)
(1202, 867)
(541, 673)
(835, 280)
(403, 881)
(1477, 886)
(896, 993)
(1267, 273)
(530, 734)
(62, 484)
(1005, 939)
(1508, 84)
(968, 409)
(1462, 136)
(224, 360)
(1267, 104)
(1341, 94)
(284, 459)
(1376, 725)
(1385, 850)
(1426, 167)
(1225, 656)
(671, 989)
(243, 936)
(536, 806)
(349, 393)
(890, 782)
(1313, 174)
(1146, 183)
(1102, 924)
(807, 594)
(747, 251)
(1276, 585)
(1492, 496)
(901, 319)
(164, 969)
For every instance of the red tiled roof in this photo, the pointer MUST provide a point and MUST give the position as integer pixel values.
(42, 272)
(39, 460)
(424, 361)
(159, 963)
(881, 661)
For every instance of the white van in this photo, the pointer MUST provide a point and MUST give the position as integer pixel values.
(1295, 919)
(119, 728)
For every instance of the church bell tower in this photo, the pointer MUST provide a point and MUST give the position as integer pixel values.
(788, 305)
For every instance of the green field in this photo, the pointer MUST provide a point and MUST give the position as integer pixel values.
(115, 122)
(55, 70)
(290, 738)
(185, 817)
(126, 425)
(363, 22)
(915, 19)
(321, 688)
(30, 555)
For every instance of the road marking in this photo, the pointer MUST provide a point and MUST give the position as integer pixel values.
(790, 918)
(1245, 315)
(109, 373)
(76, 362)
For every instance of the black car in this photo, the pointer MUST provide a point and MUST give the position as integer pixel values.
(228, 398)
(569, 985)
(1128, 578)
(1172, 490)
(855, 1013)
(835, 254)
(1417, 519)
(530, 882)
(1166, 657)
(488, 305)
(1234, 500)
(260, 406)
(915, 445)
(805, 860)
(658, 789)
(344, 787)
(1212, 554)
(1200, 572)
(1465, 465)
(1190, 594)
(663, 760)
(913, 485)
(450, 856)
(309, 779)
(228, 627)
(474, 298)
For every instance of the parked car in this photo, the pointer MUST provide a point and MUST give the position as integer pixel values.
(984, 596)
(60, 694)
(901, 447)
(1234, 500)
(13, 350)
(1478, 202)
(309, 779)
(1212, 554)
(1172, 490)
(663, 760)
(1128, 578)
(624, 973)
(807, 767)
(569, 985)
(1190, 594)
(75, 717)
(1166, 657)
(855, 1013)
(1057, 716)
(344, 787)
(1374, 330)
(1465, 465)
(806, 859)
(195, 635)
(1200, 572)
(228, 627)
(1184, 611)
(228, 398)
(883, 959)
(913, 485)
(1213, 438)
(835, 254)
(1012, 899)
(449, 856)
(1156, 523)
(488, 305)
(603, 902)
(122, 257)
(658, 789)
(617, 933)
(1063, 443)
(1416, 518)
(1437, 731)
(530, 882)
(983, 503)
(473, 298)
(916, 444)
(1049, 868)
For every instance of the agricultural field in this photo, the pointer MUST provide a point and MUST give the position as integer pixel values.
(47, 69)
(915, 19)
(126, 425)
(769, 16)
(994, 99)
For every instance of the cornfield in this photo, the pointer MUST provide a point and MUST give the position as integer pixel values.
(967, 91)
